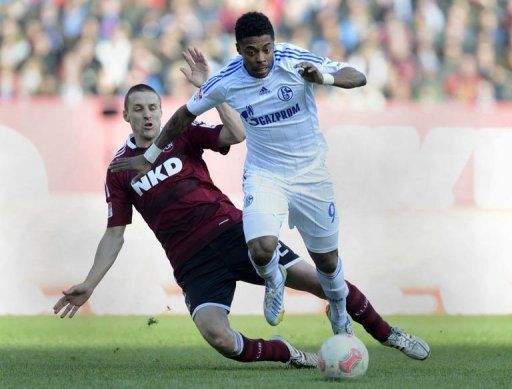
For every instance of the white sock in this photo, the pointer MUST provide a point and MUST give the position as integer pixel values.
(335, 289)
(239, 344)
(270, 272)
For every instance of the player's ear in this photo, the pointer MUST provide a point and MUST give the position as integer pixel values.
(238, 48)
(125, 115)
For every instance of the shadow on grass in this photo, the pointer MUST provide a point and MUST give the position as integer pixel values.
(175, 358)
(198, 366)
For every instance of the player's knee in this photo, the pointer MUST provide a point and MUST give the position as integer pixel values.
(262, 249)
(326, 262)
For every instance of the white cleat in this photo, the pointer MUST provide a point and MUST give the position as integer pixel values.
(338, 327)
(410, 345)
(298, 358)
(273, 303)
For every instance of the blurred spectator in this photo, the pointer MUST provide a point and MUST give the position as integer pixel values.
(463, 83)
(426, 50)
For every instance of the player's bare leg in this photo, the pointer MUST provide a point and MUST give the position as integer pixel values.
(330, 275)
(265, 259)
(213, 324)
(302, 276)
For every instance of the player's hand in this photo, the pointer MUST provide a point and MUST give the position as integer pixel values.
(310, 72)
(73, 299)
(138, 163)
(198, 70)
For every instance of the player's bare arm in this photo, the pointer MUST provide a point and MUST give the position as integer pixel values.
(178, 123)
(233, 131)
(106, 254)
(346, 77)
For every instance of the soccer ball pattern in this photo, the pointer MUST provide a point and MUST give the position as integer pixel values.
(343, 357)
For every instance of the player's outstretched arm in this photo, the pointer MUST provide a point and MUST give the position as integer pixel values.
(174, 127)
(106, 254)
(346, 77)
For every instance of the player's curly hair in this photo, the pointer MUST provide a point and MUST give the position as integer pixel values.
(138, 88)
(253, 24)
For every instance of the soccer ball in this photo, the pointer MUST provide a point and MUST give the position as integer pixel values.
(343, 357)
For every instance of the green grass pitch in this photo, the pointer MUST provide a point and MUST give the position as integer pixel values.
(124, 352)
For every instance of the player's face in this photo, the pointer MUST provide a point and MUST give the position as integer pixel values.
(258, 54)
(144, 113)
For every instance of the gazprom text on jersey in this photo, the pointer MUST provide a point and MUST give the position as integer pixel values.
(274, 116)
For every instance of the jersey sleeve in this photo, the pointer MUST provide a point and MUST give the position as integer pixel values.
(213, 91)
(207, 97)
(203, 136)
(292, 55)
(119, 205)
(329, 66)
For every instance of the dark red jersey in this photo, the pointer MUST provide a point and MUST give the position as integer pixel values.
(177, 198)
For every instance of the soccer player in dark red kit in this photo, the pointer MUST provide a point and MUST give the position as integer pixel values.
(201, 232)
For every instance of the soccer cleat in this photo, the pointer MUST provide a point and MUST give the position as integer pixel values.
(410, 345)
(336, 325)
(298, 358)
(273, 304)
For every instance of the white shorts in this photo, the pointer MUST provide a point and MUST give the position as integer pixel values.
(309, 200)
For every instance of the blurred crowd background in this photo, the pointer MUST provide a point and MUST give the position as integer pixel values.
(422, 50)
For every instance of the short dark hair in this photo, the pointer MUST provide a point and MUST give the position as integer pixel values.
(138, 88)
(253, 24)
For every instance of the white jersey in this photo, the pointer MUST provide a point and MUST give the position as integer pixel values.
(278, 111)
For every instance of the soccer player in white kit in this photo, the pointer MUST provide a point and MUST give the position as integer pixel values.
(271, 86)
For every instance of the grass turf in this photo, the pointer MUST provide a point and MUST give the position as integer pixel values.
(123, 352)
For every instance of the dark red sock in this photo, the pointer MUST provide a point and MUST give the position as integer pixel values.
(361, 311)
(256, 350)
